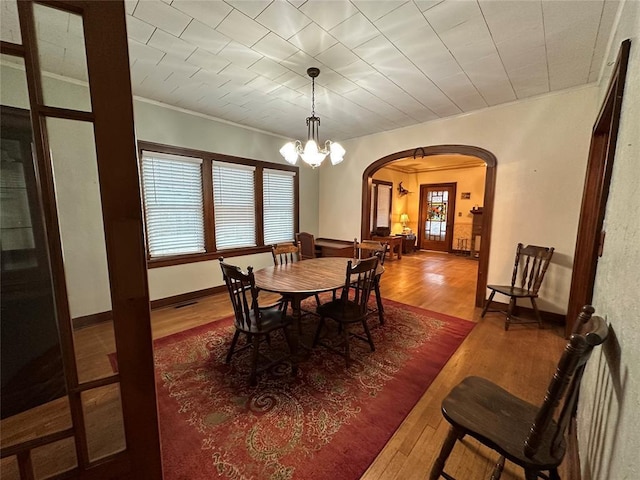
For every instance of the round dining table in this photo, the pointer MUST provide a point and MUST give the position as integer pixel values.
(299, 280)
(303, 279)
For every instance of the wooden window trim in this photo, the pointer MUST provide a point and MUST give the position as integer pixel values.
(209, 210)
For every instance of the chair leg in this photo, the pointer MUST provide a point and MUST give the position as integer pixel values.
(233, 345)
(366, 330)
(379, 302)
(347, 353)
(293, 348)
(254, 360)
(445, 451)
(497, 469)
(510, 309)
(316, 337)
(317, 300)
(486, 305)
(534, 304)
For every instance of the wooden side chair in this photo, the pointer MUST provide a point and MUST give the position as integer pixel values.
(525, 434)
(528, 272)
(307, 244)
(284, 254)
(351, 307)
(255, 322)
(371, 248)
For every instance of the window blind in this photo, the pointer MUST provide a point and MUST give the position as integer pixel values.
(234, 205)
(172, 191)
(384, 206)
(278, 205)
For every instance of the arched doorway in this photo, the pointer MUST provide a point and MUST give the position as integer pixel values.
(489, 194)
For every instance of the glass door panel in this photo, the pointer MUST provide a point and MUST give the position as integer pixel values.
(436, 216)
(32, 372)
(61, 52)
(104, 421)
(79, 209)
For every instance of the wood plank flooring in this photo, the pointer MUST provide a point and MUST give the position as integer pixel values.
(522, 360)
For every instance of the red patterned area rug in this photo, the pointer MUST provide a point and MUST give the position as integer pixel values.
(327, 422)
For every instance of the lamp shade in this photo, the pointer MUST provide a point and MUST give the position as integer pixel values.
(404, 219)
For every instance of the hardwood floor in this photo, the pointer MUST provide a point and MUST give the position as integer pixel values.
(522, 360)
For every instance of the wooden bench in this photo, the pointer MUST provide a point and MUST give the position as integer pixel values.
(329, 247)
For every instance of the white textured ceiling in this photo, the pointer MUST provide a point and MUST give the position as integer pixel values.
(384, 64)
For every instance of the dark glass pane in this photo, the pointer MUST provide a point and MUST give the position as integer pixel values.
(31, 364)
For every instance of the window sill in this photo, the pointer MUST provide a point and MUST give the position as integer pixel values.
(204, 257)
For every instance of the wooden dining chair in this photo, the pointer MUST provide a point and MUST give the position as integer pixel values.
(371, 248)
(284, 254)
(528, 435)
(307, 244)
(351, 307)
(528, 272)
(255, 322)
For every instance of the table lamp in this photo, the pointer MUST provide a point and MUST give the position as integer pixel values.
(404, 219)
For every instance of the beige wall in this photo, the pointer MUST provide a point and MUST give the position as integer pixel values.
(541, 146)
(609, 407)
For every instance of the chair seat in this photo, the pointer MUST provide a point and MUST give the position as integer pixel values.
(272, 319)
(512, 291)
(478, 405)
(336, 309)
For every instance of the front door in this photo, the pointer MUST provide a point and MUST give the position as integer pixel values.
(437, 207)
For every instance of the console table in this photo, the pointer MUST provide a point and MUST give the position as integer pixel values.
(395, 245)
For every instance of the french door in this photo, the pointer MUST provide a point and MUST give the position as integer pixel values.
(437, 207)
(72, 175)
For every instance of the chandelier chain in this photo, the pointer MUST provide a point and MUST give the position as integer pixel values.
(313, 97)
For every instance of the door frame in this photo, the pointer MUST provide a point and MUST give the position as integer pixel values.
(489, 197)
(590, 236)
(448, 238)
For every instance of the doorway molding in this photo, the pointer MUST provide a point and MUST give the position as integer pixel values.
(489, 196)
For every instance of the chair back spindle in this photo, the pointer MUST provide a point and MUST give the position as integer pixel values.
(359, 279)
(285, 253)
(243, 294)
(370, 248)
(533, 262)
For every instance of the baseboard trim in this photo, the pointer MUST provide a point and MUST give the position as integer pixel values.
(89, 320)
(551, 317)
(177, 300)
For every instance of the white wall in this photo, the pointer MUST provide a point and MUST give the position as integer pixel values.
(541, 146)
(156, 123)
(609, 406)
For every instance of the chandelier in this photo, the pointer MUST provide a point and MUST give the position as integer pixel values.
(312, 153)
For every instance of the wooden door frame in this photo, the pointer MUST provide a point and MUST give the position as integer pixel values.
(116, 153)
(451, 216)
(590, 237)
(489, 197)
